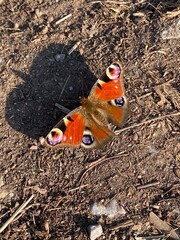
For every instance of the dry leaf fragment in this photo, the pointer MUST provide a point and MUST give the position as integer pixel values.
(162, 97)
(4, 192)
(164, 227)
(159, 224)
(40, 190)
(176, 171)
(174, 234)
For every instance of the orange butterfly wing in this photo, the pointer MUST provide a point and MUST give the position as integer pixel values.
(78, 128)
(68, 132)
(95, 135)
(108, 92)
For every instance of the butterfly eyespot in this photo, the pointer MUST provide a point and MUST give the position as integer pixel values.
(119, 102)
(87, 139)
(113, 72)
(55, 137)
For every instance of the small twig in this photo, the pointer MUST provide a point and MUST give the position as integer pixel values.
(147, 185)
(172, 14)
(54, 209)
(99, 161)
(151, 236)
(142, 96)
(18, 211)
(96, 2)
(124, 224)
(3, 215)
(155, 8)
(150, 93)
(118, 2)
(146, 122)
(158, 51)
(77, 188)
(165, 83)
(64, 109)
(63, 19)
(73, 48)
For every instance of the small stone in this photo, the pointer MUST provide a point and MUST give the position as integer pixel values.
(95, 231)
(152, 149)
(60, 57)
(16, 25)
(173, 31)
(112, 210)
(98, 209)
(45, 30)
(135, 137)
(1, 181)
(46, 226)
(137, 228)
(38, 13)
(50, 19)
(42, 140)
(34, 147)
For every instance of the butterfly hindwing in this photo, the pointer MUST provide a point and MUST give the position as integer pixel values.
(95, 135)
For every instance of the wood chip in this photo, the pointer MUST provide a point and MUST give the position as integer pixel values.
(34, 147)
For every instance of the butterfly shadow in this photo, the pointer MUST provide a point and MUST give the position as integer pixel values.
(54, 77)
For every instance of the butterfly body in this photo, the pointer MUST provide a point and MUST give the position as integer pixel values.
(87, 125)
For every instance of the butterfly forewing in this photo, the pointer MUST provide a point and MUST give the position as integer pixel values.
(108, 92)
(68, 132)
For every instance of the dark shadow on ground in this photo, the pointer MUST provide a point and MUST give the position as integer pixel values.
(30, 106)
(83, 222)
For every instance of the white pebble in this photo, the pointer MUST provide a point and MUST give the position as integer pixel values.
(173, 31)
(112, 209)
(95, 231)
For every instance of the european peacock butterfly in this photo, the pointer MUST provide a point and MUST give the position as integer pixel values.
(86, 125)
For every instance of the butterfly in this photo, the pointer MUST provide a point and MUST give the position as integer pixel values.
(86, 125)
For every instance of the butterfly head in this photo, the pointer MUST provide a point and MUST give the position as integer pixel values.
(113, 71)
(55, 137)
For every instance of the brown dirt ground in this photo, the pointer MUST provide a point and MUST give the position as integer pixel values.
(31, 83)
